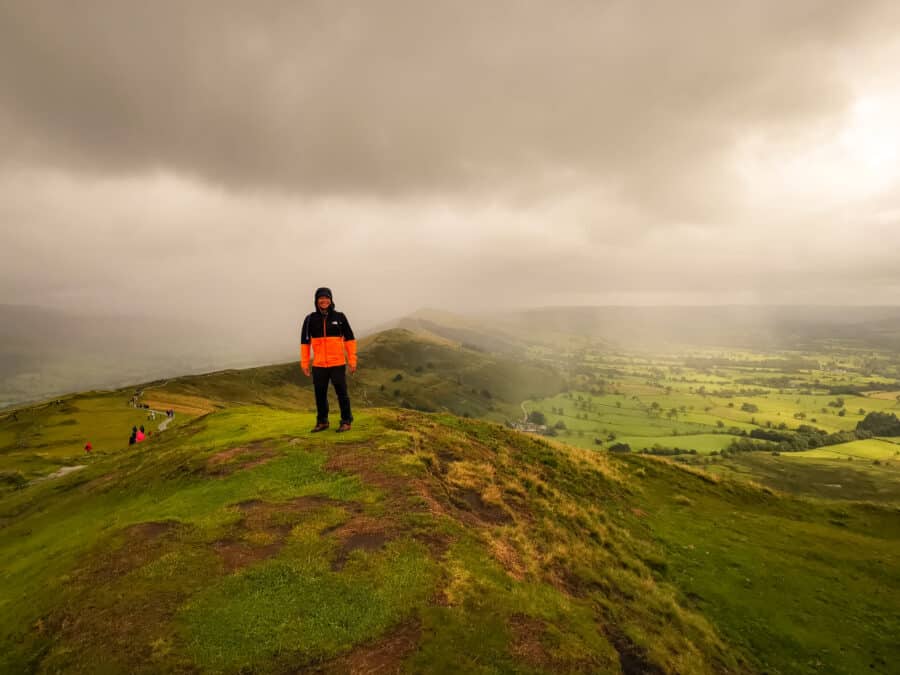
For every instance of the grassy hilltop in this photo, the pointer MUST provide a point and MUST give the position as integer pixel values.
(236, 542)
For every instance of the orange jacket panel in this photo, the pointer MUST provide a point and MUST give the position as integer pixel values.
(327, 336)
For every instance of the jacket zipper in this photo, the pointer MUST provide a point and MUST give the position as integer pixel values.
(325, 340)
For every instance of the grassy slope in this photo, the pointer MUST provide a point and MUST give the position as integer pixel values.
(239, 541)
(440, 375)
(436, 375)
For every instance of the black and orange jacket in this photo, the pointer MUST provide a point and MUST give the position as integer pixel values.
(328, 335)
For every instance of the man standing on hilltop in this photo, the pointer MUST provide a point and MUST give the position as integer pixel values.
(328, 333)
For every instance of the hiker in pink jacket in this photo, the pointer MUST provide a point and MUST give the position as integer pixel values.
(140, 435)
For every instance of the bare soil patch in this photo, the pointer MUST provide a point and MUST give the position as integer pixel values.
(526, 643)
(264, 528)
(437, 543)
(227, 462)
(363, 460)
(152, 529)
(385, 656)
(361, 533)
(186, 405)
(633, 660)
(567, 582)
(470, 500)
(237, 554)
(506, 554)
(141, 544)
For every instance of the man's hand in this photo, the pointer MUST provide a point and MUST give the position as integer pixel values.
(352, 368)
(305, 370)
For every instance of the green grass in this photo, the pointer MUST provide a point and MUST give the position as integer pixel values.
(872, 448)
(301, 610)
(802, 586)
(825, 478)
(238, 542)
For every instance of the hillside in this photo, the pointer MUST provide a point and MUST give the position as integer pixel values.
(398, 367)
(513, 333)
(237, 542)
(440, 375)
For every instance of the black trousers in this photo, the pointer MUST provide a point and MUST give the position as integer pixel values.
(337, 375)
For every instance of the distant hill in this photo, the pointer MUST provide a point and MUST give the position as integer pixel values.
(500, 332)
(438, 374)
(765, 327)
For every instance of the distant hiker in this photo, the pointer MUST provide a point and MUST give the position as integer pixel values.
(133, 438)
(327, 332)
(88, 447)
(140, 435)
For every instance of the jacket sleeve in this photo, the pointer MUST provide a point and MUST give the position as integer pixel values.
(304, 343)
(349, 341)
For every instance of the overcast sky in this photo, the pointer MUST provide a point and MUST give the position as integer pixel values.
(221, 158)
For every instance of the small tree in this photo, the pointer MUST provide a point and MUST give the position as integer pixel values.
(537, 417)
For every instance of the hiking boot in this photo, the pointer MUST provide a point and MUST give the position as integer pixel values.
(345, 426)
(321, 426)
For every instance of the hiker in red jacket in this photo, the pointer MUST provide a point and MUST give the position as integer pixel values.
(328, 334)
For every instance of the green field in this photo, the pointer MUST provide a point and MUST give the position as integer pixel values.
(872, 448)
(702, 443)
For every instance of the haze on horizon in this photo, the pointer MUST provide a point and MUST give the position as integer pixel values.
(218, 161)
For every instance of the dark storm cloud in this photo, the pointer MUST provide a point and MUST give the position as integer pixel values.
(398, 98)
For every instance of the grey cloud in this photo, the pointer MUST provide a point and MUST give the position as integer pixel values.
(402, 98)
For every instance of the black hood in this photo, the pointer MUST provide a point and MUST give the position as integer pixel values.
(320, 292)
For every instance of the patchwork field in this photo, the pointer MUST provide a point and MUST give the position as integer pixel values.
(699, 406)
